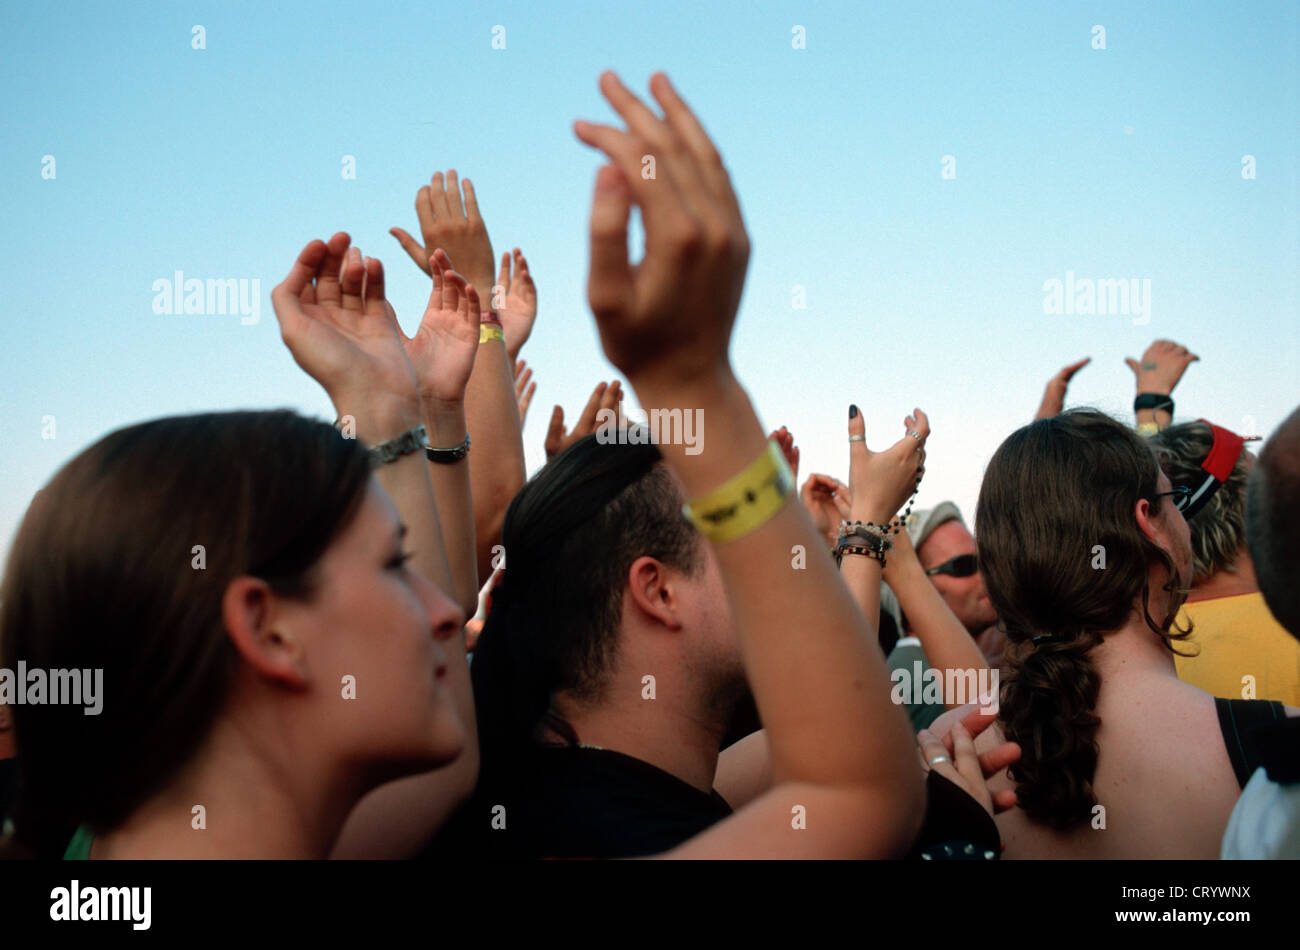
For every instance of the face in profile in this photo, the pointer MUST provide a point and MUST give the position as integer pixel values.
(966, 596)
(379, 627)
(1175, 529)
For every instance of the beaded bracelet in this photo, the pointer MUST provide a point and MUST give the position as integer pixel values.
(866, 551)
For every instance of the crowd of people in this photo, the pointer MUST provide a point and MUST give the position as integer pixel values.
(381, 639)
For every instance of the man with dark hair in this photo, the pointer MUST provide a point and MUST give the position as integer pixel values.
(1239, 650)
(1266, 821)
(601, 715)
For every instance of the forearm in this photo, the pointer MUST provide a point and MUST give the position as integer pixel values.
(496, 463)
(861, 575)
(406, 480)
(452, 494)
(947, 644)
(817, 674)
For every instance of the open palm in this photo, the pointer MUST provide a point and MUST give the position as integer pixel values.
(443, 349)
(518, 309)
(339, 328)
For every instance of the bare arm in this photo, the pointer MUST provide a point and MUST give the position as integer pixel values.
(947, 644)
(496, 461)
(340, 330)
(847, 781)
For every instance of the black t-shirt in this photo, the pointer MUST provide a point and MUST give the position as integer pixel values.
(579, 802)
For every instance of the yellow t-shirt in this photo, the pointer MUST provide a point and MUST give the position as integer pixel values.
(1239, 638)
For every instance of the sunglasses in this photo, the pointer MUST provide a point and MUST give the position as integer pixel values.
(963, 565)
(1182, 496)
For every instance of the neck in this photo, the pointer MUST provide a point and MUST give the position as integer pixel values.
(678, 734)
(1228, 583)
(256, 804)
(1135, 646)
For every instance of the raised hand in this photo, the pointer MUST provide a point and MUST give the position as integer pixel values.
(882, 481)
(604, 396)
(828, 501)
(788, 449)
(524, 389)
(668, 320)
(455, 226)
(517, 306)
(1054, 395)
(1162, 366)
(335, 321)
(443, 348)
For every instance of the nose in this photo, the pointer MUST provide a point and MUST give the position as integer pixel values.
(446, 618)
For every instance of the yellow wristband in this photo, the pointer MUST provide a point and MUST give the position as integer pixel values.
(745, 501)
(1147, 428)
(487, 331)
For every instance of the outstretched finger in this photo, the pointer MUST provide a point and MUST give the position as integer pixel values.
(412, 247)
(587, 421)
(1068, 372)
(454, 207)
(555, 432)
(372, 289)
(697, 141)
(471, 199)
(995, 760)
(503, 275)
(327, 279)
(352, 280)
(300, 275)
(438, 196)
(609, 282)
(473, 311)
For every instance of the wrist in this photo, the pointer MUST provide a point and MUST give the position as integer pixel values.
(375, 420)
(445, 422)
(718, 386)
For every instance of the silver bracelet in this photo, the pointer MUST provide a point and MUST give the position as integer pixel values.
(392, 450)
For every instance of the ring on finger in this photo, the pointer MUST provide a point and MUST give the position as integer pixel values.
(939, 758)
(857, 438)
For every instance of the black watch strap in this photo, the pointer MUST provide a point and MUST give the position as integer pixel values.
(447, 456)
(1156, 401)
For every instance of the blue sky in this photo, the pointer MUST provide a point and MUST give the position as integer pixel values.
(221, 163)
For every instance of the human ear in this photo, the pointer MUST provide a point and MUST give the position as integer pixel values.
(651, 594)
(259, 628)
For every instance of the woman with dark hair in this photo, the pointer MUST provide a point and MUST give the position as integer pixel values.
(1087, 560)
(239, 581)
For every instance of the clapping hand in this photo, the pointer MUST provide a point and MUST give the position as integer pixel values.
(338, 326)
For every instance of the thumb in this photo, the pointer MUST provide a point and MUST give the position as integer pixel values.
(1131, 363)
(412, 247)
(609, 284)
(857, 426)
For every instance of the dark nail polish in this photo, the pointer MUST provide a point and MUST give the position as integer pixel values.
(853, 411)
